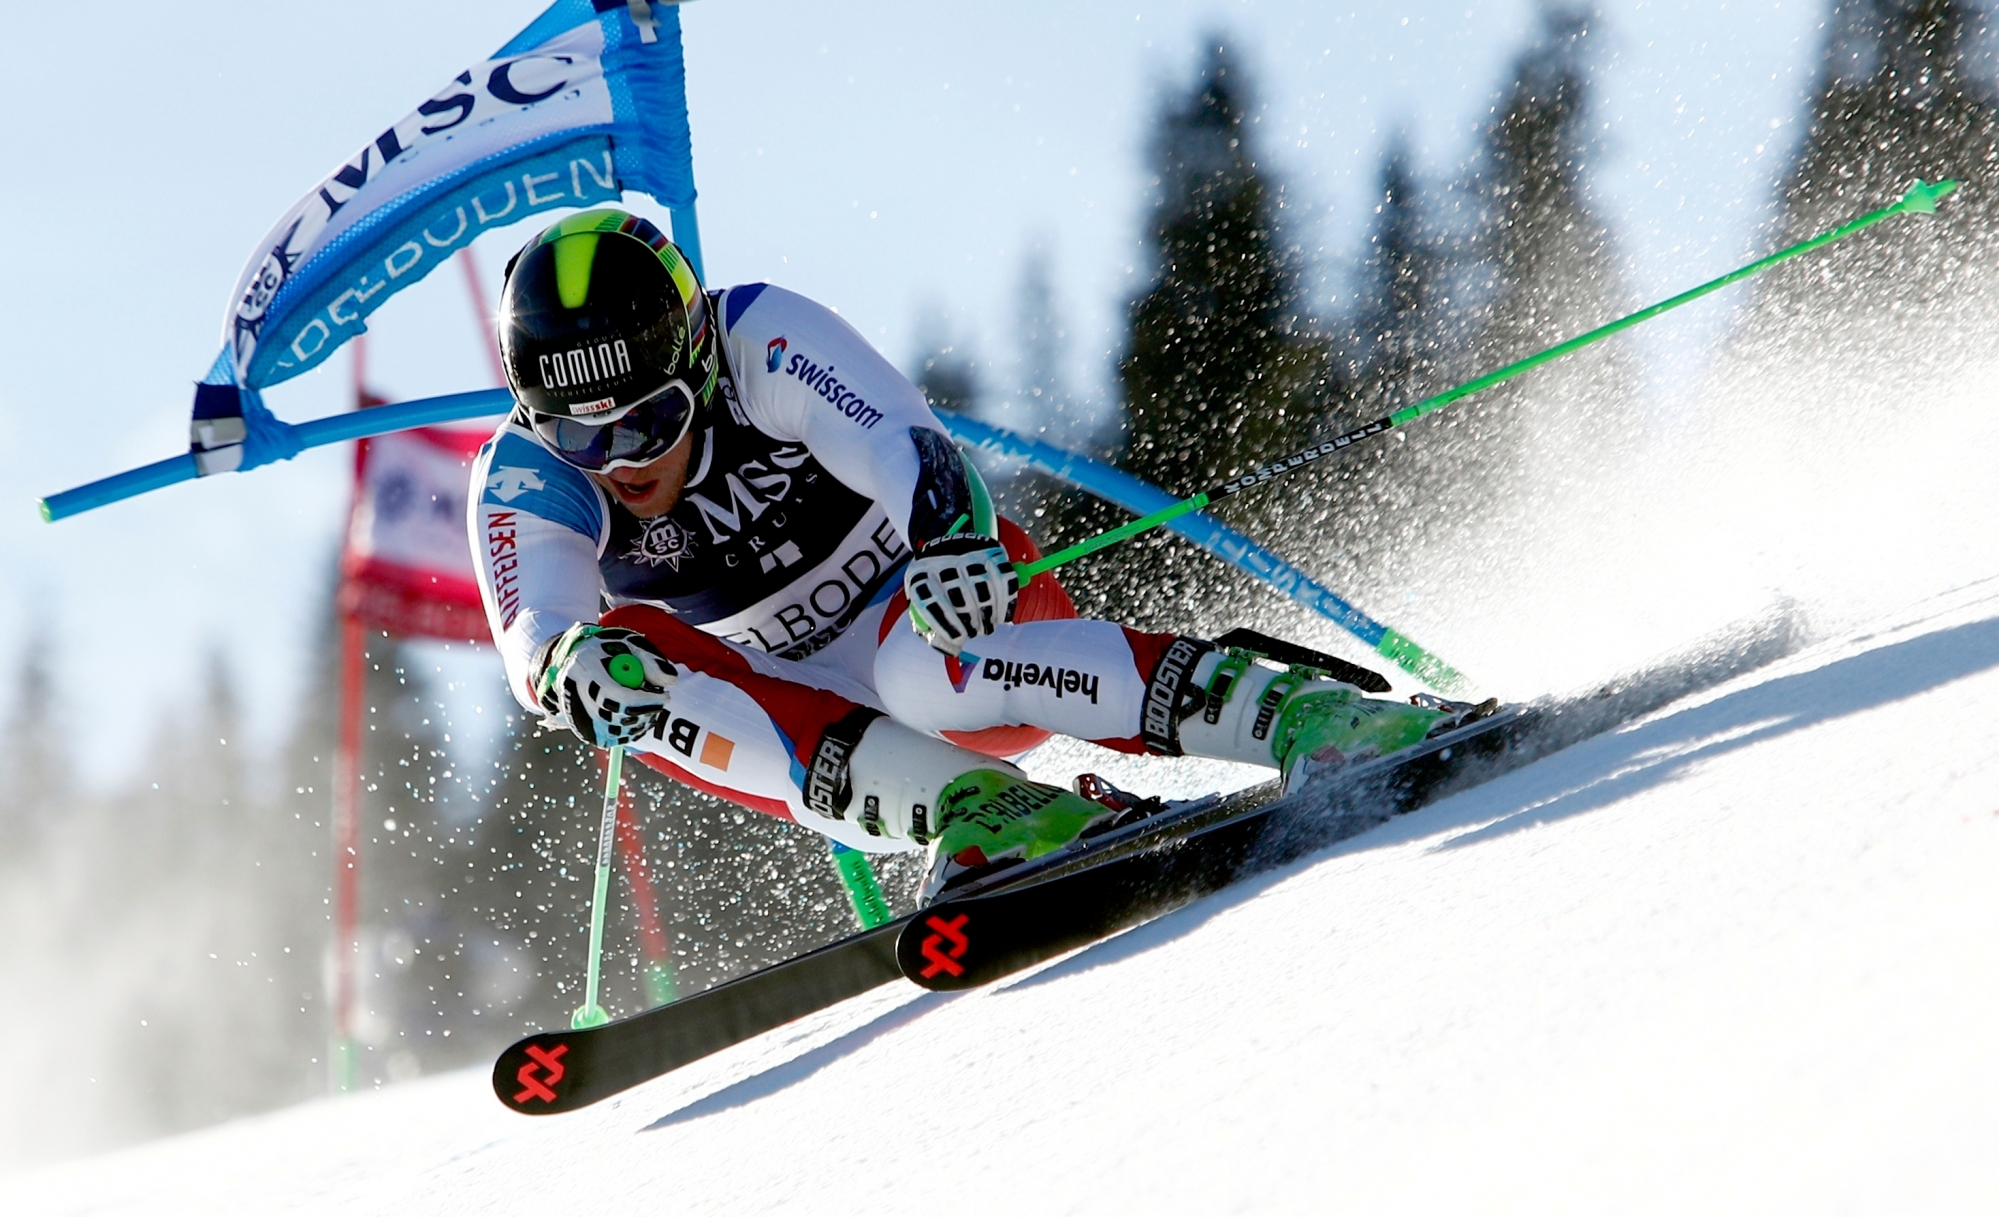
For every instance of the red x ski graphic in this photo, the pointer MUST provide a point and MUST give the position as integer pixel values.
(951, 932)
(533, 1087)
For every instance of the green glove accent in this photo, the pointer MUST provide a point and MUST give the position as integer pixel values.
(627, 671)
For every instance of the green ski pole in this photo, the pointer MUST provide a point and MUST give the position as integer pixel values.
(1922, 199)
(590, 1014)
(862, 887)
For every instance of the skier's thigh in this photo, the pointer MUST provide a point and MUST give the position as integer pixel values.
(719, 735)
(1074, 677)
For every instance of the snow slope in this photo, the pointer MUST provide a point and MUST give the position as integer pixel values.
(1739, 957)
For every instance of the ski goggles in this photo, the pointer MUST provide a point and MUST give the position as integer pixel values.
(639, 436)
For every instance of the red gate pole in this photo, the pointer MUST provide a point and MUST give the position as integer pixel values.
(660, 985)
(484, 318)
(345, 1065)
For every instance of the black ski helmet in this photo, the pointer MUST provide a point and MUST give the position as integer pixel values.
(605, 337)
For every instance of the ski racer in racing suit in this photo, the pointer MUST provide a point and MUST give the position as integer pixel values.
(721, 530)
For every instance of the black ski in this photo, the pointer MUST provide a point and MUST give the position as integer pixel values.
(562, 1070)
(972, 938)
(1111, 881)
(964, 941)
(557, 1071)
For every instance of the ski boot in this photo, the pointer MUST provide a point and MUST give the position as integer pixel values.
(1232, 707)
(990, 819)
(1325, 736)
(978, 814)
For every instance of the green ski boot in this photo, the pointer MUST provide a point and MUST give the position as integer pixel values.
(1317, 730)
(1233, 707)
(988, 819)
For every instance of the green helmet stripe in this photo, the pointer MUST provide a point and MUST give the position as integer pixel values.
(574, 255)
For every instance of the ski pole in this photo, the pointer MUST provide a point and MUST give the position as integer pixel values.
(1921, 199)
(590, 1014)
(863, 889)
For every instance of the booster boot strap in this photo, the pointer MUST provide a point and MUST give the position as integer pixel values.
(1172, 694)
(829, 784)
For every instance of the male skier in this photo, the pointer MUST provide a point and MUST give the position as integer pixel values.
(812, 609)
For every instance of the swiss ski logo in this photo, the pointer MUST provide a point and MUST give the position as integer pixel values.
(541, 1060)
(943, 949)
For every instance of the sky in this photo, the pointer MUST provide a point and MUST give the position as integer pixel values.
(895, 160)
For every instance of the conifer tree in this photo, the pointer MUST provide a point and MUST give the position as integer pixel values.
(1218, 354)
(1396, 350)
(205, 898)
(1220, 367)
(1897, 99)
(1400, 336)
(1039, 406)
(945, 371)
(1552, 272)
(35, 776)
(1041, 338)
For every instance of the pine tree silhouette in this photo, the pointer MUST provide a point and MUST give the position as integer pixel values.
(1041, 336)
(945, 372)
(36, 778)
(1551, 273)
(1897, 99)
(1537, 267)
(1399, 337)
(1221, 368)
(1403, 339)
(1218, 358)
(206, 895)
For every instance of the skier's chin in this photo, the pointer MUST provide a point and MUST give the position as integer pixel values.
(642, 499)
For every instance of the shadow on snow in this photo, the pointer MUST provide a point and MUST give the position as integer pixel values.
(1624, 762)
(1651, 755)
(770, 1081)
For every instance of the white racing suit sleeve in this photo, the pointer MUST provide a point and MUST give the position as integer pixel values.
(537, 525)
(804, 374)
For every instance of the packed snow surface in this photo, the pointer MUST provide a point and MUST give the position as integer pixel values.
(1737, 957)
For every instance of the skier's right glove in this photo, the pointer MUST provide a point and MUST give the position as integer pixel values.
(960, 587)
(608, 685)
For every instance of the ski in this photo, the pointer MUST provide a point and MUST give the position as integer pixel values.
(964, 941)
(1105, 883)
(561, 1070)
(970, 938)
(557, 1071)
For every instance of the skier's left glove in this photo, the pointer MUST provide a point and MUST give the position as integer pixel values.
(960, 588)
(608, 685)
